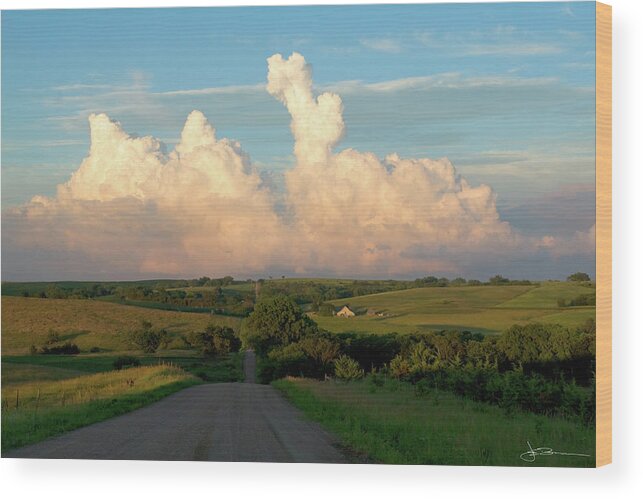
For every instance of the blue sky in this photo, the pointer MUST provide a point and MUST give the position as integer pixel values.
(505, 91)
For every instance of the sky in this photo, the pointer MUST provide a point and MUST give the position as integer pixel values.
(504, 91)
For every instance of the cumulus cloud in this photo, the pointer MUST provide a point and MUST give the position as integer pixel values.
(203, 208)
(393, 215)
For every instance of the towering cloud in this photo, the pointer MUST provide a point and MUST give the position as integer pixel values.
(317, 123)
(200, 208)
(203, 208)
(394, 215)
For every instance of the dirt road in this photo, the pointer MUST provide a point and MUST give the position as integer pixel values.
(216, 422)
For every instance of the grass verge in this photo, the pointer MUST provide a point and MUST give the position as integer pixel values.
(34, 411)
(392, 424)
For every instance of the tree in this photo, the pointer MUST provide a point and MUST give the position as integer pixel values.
(216, 340)
(54, 291)
(320, 351)
(146, 338)
(348, 369)
(276, 321)
(579, 277)
(327, 309)
(498, 279)
(203, 281)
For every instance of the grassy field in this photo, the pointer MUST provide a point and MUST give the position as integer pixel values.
(485, 309)
(24, 368)
(89, 323)
(391, 424)
(36, 410)
(17, 373)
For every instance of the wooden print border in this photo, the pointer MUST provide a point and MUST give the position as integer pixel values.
(603, 234)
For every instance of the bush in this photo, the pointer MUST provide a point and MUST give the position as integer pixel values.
(147, 339)
(94, 350)
(326, 310)
(400, 368)
(66, 349)
(216, 340)
(514, 390)
(372, 351)
(126, 361)
(588, 299)
(312, 357)
(348, 369)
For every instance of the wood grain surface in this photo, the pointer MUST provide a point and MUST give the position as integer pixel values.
(603, 234)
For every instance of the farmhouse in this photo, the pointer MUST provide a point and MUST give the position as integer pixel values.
(345, 312)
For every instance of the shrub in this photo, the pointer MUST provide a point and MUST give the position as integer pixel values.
(370, 350)
(66, 349)
(33, 350)
(216, 340)
(320, 352)
(514, 390)
(588, 299)
(147, 339)
(348, 369)
(126, 361)
(94, 350)
(400, 368)
(326, 310)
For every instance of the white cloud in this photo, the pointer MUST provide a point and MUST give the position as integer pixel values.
(387, 45)
(128, 203)
(368, 210)
(441, 80)
(204, 208)
(230, 89)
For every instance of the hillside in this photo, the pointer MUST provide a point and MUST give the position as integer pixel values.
(485, 309)
(89, 323)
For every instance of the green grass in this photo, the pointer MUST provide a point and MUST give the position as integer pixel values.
(90, 323)
(484, 309)
(34, 411)
(24, 368)
(85, 364)
(390, 424)
(13, 374)
(548, 293)
(155, 305)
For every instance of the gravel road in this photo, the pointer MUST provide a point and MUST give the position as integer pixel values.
(242, 422)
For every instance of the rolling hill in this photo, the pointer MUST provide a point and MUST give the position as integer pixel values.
(485, 309)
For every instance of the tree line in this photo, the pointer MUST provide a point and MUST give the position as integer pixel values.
(541, 368)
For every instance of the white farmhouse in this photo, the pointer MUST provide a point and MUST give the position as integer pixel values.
(345, 312)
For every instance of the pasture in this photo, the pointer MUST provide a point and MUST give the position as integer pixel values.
(90, 323)
(484, 309)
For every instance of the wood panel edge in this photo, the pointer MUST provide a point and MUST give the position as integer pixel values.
(603, 234)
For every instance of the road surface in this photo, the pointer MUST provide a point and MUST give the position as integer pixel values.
(242, 422)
